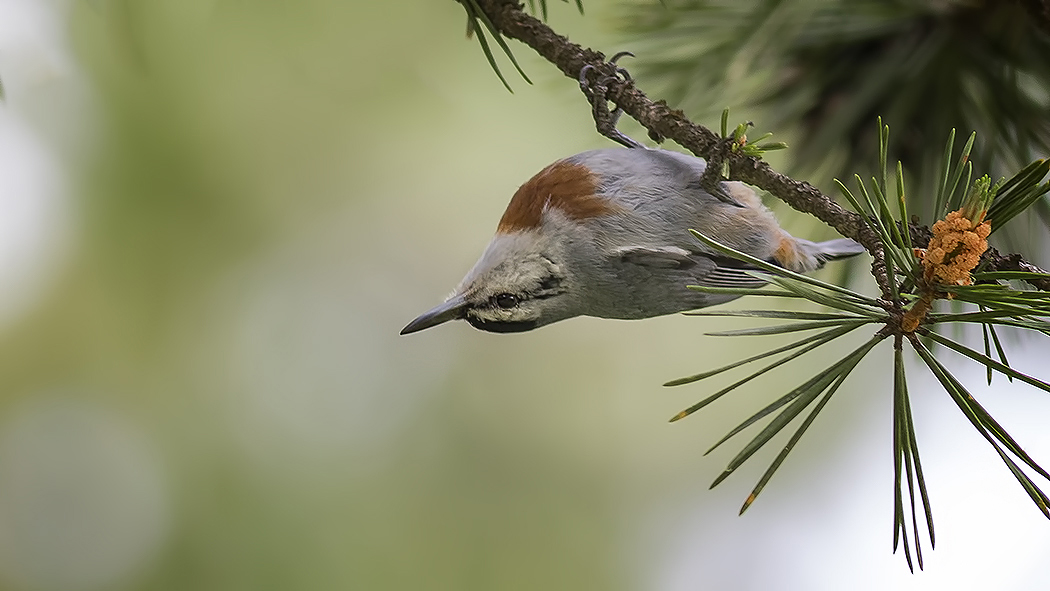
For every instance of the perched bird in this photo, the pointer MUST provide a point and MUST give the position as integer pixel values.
(605, 233)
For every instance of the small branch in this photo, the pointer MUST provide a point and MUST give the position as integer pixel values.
(660, 119)
(879, 272)
(994, 260)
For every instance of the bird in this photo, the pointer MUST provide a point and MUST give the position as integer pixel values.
(605, 233)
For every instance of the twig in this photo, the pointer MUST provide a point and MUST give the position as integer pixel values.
(994, 260)
(658, 118)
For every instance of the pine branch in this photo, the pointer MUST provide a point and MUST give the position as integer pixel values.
(953, 262)
(994, 260)
(508, 18)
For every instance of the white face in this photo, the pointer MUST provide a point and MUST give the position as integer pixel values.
(515, 286)
(522, 281)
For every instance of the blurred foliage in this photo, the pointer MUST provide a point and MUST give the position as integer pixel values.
(822, 70)
(247, 241)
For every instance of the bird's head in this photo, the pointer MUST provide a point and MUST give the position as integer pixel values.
(517, 285)
(525, 278)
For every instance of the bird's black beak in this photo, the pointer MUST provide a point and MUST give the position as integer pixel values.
(453, 309)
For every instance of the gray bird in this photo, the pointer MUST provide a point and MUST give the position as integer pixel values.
(606, 233)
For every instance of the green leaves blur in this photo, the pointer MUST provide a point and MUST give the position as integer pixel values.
(1019, 193)
(543, 7)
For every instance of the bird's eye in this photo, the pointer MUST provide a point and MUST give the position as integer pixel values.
(506, 300)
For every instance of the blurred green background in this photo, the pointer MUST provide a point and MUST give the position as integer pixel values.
(216, 217)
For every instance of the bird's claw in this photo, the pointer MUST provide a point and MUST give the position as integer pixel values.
(604, 119)
(719, 192)
(711, 179)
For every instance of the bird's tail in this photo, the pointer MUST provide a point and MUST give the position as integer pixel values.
(802, 255)
(842, 248)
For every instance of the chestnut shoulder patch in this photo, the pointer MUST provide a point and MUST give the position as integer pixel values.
(563, 186)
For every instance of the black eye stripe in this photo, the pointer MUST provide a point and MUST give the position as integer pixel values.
(549, 287)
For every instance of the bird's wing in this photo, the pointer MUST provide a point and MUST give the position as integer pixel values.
(706, 270)
(662, 257)
(735, 278)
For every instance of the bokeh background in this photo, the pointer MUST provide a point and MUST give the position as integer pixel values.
(216, 215)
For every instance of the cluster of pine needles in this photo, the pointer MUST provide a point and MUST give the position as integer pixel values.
(948, 268)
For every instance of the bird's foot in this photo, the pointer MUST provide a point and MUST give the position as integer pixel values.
(596, 92)
(713, 178)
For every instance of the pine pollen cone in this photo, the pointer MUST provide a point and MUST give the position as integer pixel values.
(953, 252)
